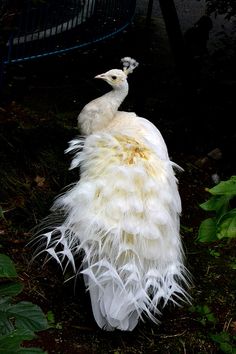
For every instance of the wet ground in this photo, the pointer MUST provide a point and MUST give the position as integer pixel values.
(41, 101)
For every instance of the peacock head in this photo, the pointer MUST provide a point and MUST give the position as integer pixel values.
(118, 78)
(115, 77)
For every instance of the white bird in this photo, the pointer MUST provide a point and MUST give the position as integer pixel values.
(123, 213)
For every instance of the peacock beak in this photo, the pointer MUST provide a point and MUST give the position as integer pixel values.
(102, 76)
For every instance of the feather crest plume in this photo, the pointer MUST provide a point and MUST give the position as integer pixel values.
(129, 64)
(122, 216)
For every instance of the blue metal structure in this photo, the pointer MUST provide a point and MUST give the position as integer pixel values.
(46, 27)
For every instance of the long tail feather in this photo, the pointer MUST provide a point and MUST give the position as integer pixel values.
(123, 218)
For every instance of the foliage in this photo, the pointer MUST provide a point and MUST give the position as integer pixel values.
(18, 320)
(51, 321)
(225, 342)
(214, 253)
(221, 7)
(223, 223)
(205, 314)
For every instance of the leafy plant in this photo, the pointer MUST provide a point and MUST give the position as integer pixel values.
(214, 253)
(225, 342)
(223, 223)
(232, 262)
(204, 314)
(51, 321)
(18, 320)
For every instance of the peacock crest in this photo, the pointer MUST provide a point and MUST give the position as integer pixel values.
(129, 64)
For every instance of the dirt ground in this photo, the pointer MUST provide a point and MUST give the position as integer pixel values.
(41, 101)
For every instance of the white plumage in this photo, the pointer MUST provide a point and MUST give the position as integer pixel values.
(123, 213)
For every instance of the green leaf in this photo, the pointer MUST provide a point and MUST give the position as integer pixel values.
(233, 266)
(226, 226)
(217, 203)
(7, 268)
(50, 318)
(51, 321)
(204, 309)
(226, 347)
(10, 289)
(220, 337)
(207, 231)
(214, 253)
(10, 344)
(6, 326)
(28, 316)
(4, 303)
(225, 187)
(211, 318)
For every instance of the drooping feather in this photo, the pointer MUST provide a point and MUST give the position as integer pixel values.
(122, 215)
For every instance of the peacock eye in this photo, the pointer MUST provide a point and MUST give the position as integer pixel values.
(114, 77)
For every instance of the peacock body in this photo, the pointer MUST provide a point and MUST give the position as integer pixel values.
(123, 213)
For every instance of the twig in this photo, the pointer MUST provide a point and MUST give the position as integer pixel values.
(184, 347)
(170, 335)
(83, 328)
(227, 324)
(174, 335)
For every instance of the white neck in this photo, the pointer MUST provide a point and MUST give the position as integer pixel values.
(116, 96)
(106, 107)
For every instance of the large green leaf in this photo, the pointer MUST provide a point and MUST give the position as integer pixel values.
(28, 316)
(6, 325)
(220, 337)
(11, 343)
(226, 226)
(7, 268)
(207, 231)
(218, 203)
(225, 187)
(10, 289)
(5, 304)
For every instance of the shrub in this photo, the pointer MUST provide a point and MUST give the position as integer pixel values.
(223, 222)
(18, 320)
